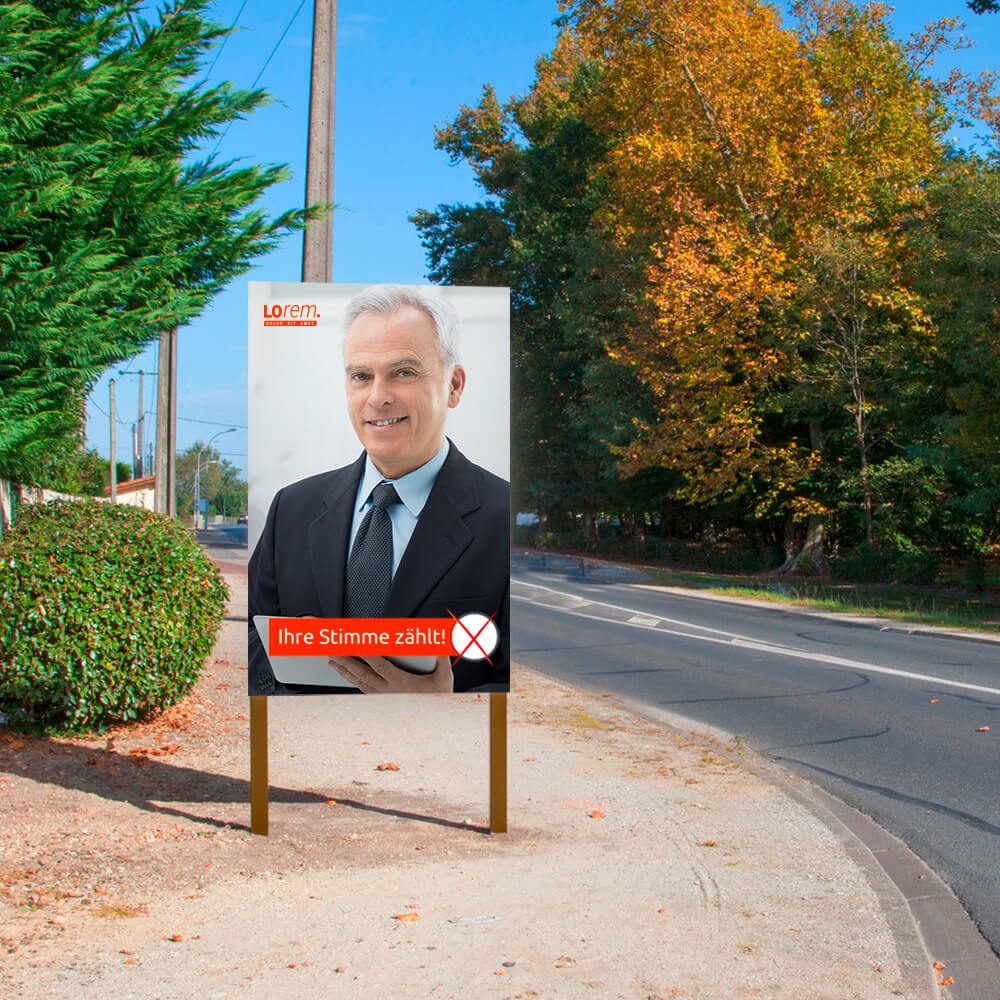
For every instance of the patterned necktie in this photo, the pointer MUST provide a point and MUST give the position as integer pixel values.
(369, 569)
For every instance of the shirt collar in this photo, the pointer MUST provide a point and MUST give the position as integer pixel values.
(413, 489)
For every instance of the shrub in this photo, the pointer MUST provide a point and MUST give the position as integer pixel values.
(888, 566)
(108, 614)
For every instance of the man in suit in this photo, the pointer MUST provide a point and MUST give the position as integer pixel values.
(410, 529)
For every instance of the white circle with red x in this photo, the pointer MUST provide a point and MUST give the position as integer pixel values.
(474, 636)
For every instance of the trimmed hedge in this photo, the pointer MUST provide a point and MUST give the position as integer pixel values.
(108, 613)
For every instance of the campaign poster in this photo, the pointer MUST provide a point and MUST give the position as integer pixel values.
(379, 468)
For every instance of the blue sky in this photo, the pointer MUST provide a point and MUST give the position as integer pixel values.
(403, 70)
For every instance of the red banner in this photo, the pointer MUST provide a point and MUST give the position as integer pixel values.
(361, 637)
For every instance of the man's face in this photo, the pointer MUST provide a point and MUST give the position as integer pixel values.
(398, 390)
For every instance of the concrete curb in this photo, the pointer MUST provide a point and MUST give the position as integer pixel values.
(926, 919)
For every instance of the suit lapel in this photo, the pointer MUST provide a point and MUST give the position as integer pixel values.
(329, 540)
(440, 537)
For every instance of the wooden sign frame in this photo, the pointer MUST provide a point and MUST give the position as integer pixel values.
(259, 784)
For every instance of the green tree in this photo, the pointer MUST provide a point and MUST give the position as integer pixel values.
(535, 158)
(219, 482)
(961, 415)
(113, 227)
(737, 246)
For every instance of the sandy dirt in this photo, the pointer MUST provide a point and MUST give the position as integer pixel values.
(643, 862)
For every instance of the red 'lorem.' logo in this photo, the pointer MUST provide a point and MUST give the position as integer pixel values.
(296, 314)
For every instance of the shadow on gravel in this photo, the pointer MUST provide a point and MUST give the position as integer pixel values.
(149, 782)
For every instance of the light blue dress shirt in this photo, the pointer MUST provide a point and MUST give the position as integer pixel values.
(414, 488)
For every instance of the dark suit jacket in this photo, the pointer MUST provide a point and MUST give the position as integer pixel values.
(457, 560)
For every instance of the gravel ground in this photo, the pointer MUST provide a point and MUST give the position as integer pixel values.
(643, 861)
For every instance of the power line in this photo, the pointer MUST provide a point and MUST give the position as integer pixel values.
(288, 28)
(267, 62)
(103, 412)
(214, 423)
(218, 51)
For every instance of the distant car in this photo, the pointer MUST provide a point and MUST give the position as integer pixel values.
(243, 519)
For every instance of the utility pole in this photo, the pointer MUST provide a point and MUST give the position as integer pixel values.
(317, 240)
(317, 265)
(165, 495)
(139, 471)
(113, 470)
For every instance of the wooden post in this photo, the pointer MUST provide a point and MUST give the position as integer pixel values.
(113, 471)
(258, 765)
(498, 762)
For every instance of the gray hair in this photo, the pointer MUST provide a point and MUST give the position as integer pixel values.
(386, 299)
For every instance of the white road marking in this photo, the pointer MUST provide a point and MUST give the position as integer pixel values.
(643, 620)
(583, 601)
(746, 642)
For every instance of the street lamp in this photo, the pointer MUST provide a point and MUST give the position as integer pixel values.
(197, 472)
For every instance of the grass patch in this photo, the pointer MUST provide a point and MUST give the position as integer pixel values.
(945, 606)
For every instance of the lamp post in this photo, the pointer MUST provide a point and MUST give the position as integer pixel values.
(197, 471)
(197, 489)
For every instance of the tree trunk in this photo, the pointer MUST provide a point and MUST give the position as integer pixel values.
(866, 489)
(809, 557)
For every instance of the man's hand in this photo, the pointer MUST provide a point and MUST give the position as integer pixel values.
(376, 675)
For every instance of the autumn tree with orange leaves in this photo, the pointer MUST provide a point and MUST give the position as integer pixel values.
(765, 198)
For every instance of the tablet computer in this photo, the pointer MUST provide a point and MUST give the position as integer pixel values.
(299, 669)
(317, 669)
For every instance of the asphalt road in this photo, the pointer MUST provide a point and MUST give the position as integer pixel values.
(886, 721)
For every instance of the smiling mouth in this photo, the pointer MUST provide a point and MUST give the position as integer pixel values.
(385, 423)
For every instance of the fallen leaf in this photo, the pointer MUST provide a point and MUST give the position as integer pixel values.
(340, 968)
(131, 961)
(499, 972)
(176, 937)
(939, 966)
(161, 751)
(387, 766)
(597, 814)
(948, 981)
(291, 965)
(405, 916)
(983, 729)
(331, 802)
(935, 701)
